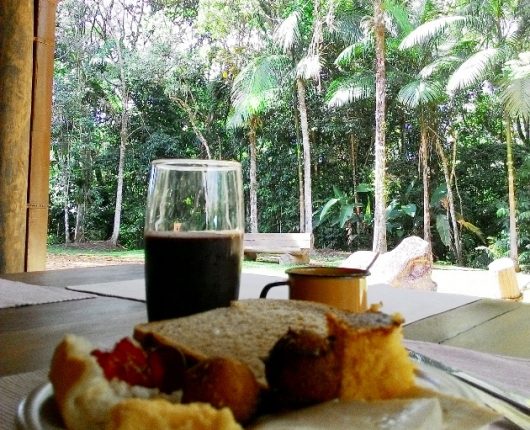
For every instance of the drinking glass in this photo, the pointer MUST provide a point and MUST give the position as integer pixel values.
(193, 235)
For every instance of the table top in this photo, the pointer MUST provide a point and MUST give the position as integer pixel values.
(29, 334)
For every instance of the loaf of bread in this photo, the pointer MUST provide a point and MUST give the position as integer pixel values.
(248, 329)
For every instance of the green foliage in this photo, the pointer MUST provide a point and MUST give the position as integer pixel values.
(205, 65)
(444, 229)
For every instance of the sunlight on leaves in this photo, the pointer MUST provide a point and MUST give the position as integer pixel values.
(473, 69)
(423, 34)
(288, 33)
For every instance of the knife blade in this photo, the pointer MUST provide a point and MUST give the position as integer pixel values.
(514, 399)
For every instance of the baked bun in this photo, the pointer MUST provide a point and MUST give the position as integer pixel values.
(82, 393)
(303, 368)
(222, 382)
(87, 400)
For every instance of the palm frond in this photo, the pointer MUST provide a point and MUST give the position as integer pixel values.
(251, 106)
(519, 68)
(423, 34)
(516, 97)
(288, 32)
(347, 29)
(257, 78)
(437, 65)
(350, 52)
(516, 90)
(473, 69)
(420, 92)
(309, 67)
(344, 91)
(235, 119)
(254, 89)
(399, 16)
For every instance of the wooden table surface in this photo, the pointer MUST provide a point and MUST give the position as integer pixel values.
(29, 334)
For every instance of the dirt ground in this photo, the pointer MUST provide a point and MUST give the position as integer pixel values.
(59, 261)
(67, 261)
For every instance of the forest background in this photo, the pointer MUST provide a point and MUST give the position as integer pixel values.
(362, 122)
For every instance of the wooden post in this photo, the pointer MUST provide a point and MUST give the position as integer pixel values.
(41, 114)
(504, 271)
(16, 60)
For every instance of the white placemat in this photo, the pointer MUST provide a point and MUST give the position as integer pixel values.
(13, 294)
(133, 289)
(414, 305)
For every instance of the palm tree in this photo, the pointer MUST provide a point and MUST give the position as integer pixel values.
(369, 34)
(516, 97)
(492, 27)
(253, 92)
(423, 94)
(288, 36)
(379, 241)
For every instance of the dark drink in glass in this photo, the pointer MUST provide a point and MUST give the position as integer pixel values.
(193, 236)
(191, 272)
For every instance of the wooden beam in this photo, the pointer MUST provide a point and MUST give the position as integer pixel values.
(16, 61)
(41, 115)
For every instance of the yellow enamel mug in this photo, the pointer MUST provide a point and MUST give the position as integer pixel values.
(340, 287)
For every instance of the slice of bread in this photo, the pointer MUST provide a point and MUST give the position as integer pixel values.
(248, 329)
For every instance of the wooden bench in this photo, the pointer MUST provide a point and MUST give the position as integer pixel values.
(293, 247)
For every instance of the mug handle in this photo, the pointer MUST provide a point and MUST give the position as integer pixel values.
(267, 287)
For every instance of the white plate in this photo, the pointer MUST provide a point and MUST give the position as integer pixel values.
(38, 411)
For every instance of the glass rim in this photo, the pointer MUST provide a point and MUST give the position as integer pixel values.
(191, 163)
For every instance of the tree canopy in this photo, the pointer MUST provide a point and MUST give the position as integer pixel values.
(348, 117)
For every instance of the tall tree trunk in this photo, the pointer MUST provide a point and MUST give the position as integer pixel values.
(514, 253)
(253, 178)
(301, 204)
(121, 165)
(124, 135)
(379, 240)
(66, 192)
(457, 244)
(424, 161)
(64, 160)
(124, 34)
(302, 108)
(79, 235)
(299, 168)
(86, 167)
(353, 151)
